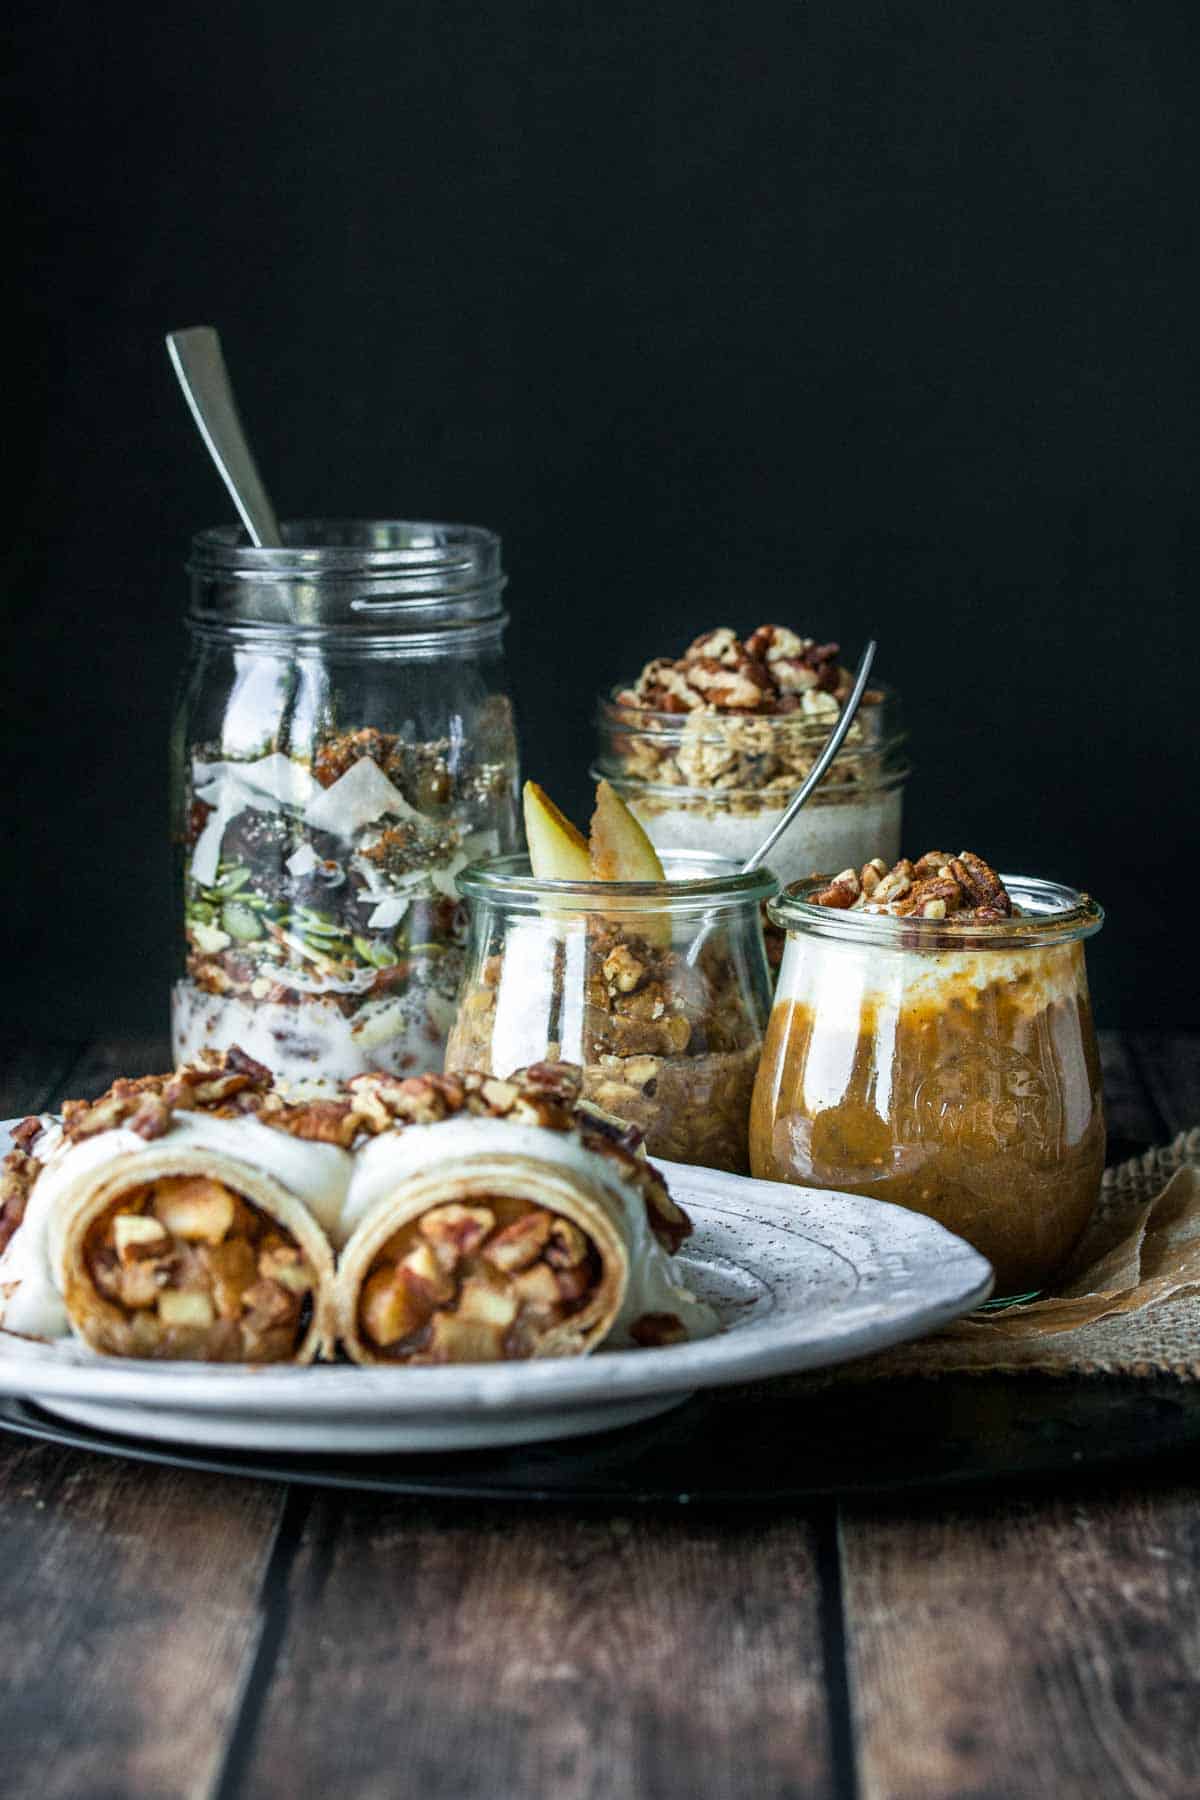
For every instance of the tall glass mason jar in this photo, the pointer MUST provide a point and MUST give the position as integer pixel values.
(721, 779)
(343, 745)
(948, 1066)
(658, 989)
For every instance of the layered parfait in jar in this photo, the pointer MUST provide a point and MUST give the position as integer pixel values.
(648, 972)
(708, 748)
(324, 932)
(931, 1044)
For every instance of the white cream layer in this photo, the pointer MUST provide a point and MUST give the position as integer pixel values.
(394, 1157)
(317, 1175)
(841, 979)
(823, 840)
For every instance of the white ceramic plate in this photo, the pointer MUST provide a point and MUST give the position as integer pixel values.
(801, 1279)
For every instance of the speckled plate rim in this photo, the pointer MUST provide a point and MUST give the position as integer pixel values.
(804, 1279)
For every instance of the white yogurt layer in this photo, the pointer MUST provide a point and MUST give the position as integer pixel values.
(318, 1175)
(395, 1157)
(823, 840)
(313, 1046)
(840, 979)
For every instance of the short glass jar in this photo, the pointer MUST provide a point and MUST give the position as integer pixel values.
(723, 779)
(343, 745)
(947, 1067)
(659, 990)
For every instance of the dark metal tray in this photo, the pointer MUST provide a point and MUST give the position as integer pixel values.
(754, 1447)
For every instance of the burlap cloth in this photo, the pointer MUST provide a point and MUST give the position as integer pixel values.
(1129, 1304)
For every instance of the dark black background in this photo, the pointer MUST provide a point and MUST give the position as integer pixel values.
(861, 317)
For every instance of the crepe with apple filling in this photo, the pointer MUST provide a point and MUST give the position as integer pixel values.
(517, 1224)
(179, 1216)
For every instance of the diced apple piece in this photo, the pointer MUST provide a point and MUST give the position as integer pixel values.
(139, 1284)
(389, 1308)
(557, 850)
(180, 1306)
(455, 1340)
(134, 1233)
(620, 849)
(285, 1263)
(193, 1208)
(482, 1304)
(424, 1275)
(537, 1287)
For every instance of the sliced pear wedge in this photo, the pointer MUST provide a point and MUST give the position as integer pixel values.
(557, 850)
(621, 851)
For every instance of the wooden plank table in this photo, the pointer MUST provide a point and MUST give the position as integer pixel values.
(170, 1633)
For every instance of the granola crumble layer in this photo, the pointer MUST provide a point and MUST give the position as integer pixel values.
(667, 1044)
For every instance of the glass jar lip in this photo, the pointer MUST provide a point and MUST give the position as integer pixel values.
(413, 547)
(625, 717)
(391, 575)
(1052, 914)
(715, 881)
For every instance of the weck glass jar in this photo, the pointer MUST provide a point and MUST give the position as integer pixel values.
(659, 989)
(722, 779)
(947, 1066)
(343, 745)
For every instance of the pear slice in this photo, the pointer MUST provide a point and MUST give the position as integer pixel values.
(557, 851)
(621, 851)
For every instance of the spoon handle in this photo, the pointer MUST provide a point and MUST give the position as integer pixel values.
(823, 761)
(200, 366)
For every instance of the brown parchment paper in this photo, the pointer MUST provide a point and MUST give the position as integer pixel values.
(1129, 1304)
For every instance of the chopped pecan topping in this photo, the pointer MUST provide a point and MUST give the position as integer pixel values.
(719, 673)
(232, 1085)
(935, 887)
(20, 1171)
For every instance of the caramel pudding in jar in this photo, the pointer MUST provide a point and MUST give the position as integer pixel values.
(931, 1044)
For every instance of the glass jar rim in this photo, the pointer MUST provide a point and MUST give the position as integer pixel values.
(1053, 914)
(352, 546)
(396, 575)
(718, 882)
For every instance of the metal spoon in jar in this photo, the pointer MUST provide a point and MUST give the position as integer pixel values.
(200, 365)
(837, 738)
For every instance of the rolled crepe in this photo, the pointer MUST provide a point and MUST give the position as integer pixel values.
(475, 1240)
(208, 1242)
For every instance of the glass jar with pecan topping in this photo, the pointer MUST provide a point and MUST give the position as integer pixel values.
(659, 990)
(343, 745)
(946, 1064)
(709, 748)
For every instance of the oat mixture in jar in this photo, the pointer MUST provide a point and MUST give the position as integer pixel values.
(344, 746)
(931, 1044)
(709, 747)
(659, 990)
